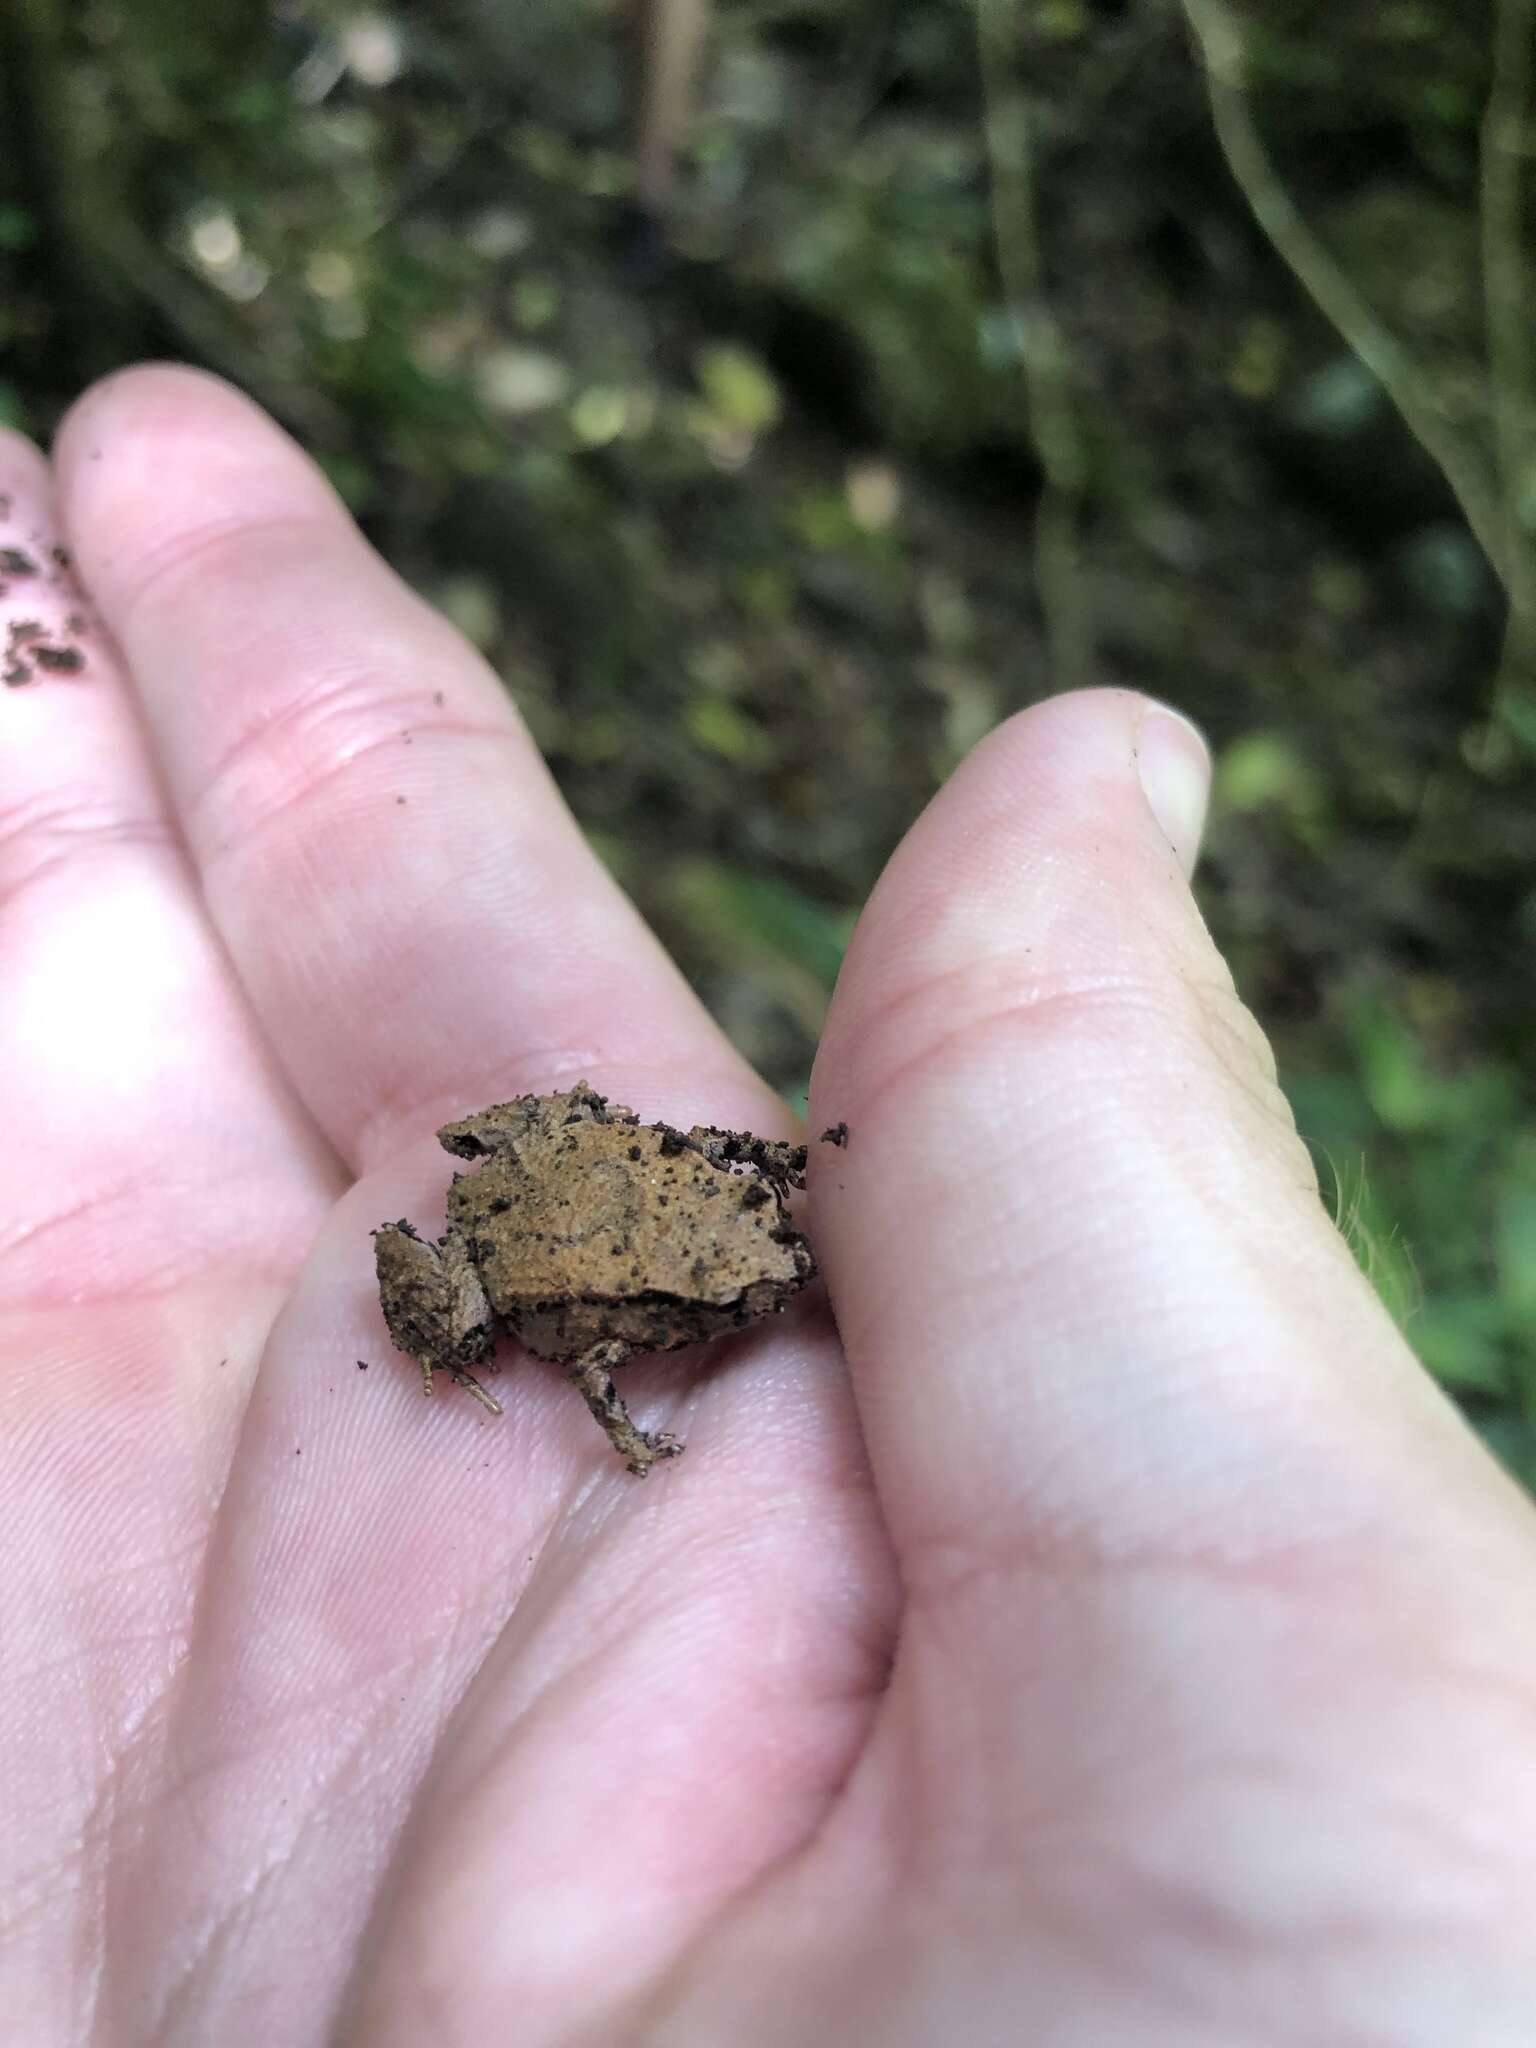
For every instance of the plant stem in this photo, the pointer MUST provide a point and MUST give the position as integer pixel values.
(1504, 139)
(1043, 356)
(1220, 39)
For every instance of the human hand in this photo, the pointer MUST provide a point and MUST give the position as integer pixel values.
(1131, 1648)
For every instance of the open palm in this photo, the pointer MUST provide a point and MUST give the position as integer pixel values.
(1089, 1669)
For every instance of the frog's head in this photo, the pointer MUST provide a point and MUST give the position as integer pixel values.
(501, 1127)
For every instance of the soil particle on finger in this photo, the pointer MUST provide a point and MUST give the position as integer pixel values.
(27, 652)
(17, 562)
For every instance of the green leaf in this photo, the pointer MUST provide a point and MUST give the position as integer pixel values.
(18, 227)
(1263, 769)
(738, 388)
(1515, 1240)
(761, 915)
(717, 724)
(1459, 1339)
(1340, 399)
(1513, 1442)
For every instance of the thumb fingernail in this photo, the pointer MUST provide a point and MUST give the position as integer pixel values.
(1175, 767)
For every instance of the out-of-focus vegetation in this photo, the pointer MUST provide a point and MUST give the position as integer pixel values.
(752, 525)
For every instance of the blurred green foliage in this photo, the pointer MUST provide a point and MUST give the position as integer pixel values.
(746, 524)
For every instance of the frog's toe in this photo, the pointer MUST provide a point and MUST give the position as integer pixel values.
(472, 1386)
(655, 1444)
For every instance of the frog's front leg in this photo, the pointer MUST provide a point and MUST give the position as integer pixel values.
(592, 1376)
(435, 1306)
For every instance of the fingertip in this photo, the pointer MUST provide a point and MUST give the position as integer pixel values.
(1100, 740)
(153, 457)
(142, 397)
(1174, 764)
(1067, 770)
(1040, 866)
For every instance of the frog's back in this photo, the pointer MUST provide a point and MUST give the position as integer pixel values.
(590, 1230)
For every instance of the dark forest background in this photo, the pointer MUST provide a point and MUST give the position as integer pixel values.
(982, 347)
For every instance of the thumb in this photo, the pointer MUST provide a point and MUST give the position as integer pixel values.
(1089, 1295)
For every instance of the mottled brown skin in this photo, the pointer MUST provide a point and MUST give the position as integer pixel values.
(589, 1236)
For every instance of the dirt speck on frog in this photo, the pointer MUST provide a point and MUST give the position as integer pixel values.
(590, 1236)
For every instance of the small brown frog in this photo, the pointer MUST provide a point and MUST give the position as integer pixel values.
(589, 1236)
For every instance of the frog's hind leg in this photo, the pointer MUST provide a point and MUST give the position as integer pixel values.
(471, 1321)
(592, 1377)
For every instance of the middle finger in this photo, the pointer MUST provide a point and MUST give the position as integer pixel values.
(417, 919)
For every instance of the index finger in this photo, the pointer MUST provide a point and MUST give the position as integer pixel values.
(419, 924)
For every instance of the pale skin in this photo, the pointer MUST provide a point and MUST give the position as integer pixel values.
(1116, 1641)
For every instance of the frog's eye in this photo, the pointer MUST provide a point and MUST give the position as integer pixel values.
(463, 1140)
(487, 1131)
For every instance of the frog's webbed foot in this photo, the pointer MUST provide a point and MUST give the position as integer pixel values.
(592, 1376)
(780, 1163)
(435, 1306)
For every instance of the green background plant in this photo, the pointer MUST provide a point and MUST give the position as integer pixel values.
(751, 531)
